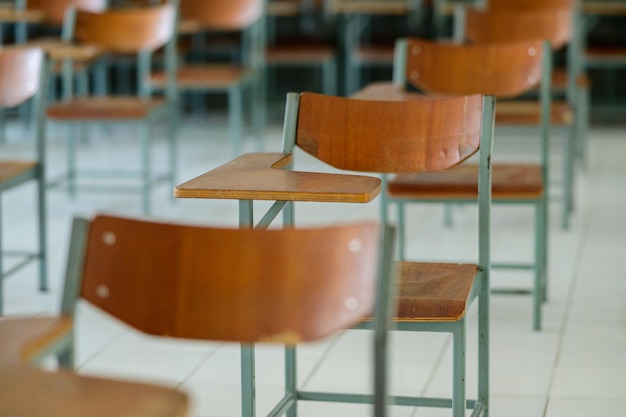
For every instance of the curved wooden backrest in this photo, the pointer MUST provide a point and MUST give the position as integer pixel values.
(551, 24)
(222, 14)
(233, 285)
(500, 69)
(20, 71)
(126, 30)
(54, 10)
(421, 135)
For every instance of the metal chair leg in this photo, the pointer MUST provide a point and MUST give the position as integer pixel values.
(145, 168)
(42, 224)
(291, 380)
(71, 160)
(247, 381)
(235, 117)
(458, 371)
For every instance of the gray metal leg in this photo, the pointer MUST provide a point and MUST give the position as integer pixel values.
(291, 379)
(258, 110)
(483, 346)
(66, 359)
(329, 77)
(248, 394)
(173, 144)
(458, 372)
(145, 168)
(538, 292)
(41, 225)
(235, 117)
(568, 175)
(71, 160)
(401, 231)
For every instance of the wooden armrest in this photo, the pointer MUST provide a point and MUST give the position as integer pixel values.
(30, 392)
(58, 49)
(259, 176)
(11, 15)
(24, 340)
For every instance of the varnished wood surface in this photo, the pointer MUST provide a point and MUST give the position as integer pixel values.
(304, 53)
(113, 108)
(529, 4)
(282, 285)
(554, 25)
(57, 49)
(607, 54)
(53, 11)
(23, 339)
(434, 291)
(126, 30)
(11, 169)
(390, 7)
(222, 14)
(203, 76)
(509, 181)
(12, 15)
(604, 7)
(528, 112)
(20, 69)
(502, 69)
(260, 177)
(389, 136)
(27, 392)
(381, 54)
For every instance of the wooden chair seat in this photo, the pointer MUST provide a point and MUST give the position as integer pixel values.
(382, 54)
(434, 291)
(12, 169)
(528, 112)
(30, 392)
(509, 181)
(604, 55)
(103, 108)
(372, 7)
(25, 338)
(204, 76)
(299, 53)
(560, 78)
(260, 177)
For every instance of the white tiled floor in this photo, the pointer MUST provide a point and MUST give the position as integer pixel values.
(575, 367)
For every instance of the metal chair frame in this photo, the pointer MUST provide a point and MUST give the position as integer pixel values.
(480, 291)
(168, 110)
(539, 266)
(36, 173)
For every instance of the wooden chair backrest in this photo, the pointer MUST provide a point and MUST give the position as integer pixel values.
(127, 30)
(226, 15)
(54, 10)
(242, 285)
(500, 69)
(426, 134)
(20, 74)
(551, 24)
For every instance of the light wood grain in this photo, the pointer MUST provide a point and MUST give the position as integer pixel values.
(553, 24)
(387, 7)
(434, 291)
(389, 136)
(504, 69)
(102, 108)
(126, 30)
(34, 393)
(509, 182)
(285, 285)
(260, 177)
(232, 15)
(24, 339)
(528, 112)
(604, 7)
(203, 76)
(11, 15)
(53, 11)
(57, 49)
(11, 169)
